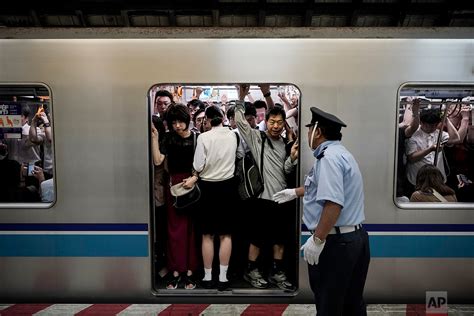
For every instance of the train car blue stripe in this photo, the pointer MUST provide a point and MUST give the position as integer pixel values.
(73, 227)
(79, 240)
(419, 227)
(144, 227)
(419, 246)
(57, 245)
(422, 246)
(73, 245)
(414, 227)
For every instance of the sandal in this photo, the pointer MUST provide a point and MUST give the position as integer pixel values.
(189, 283)
(173, 282)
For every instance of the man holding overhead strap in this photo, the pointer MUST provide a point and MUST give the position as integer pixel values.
(268, 223)
(338, 252)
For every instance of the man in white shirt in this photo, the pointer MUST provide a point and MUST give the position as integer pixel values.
(421, 147)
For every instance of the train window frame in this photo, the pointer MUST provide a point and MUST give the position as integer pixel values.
(234, 291)
(24, 90)
(418, 86)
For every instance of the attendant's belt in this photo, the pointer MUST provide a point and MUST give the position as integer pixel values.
(344, 229)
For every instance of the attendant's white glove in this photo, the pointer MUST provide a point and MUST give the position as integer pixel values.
(284, 196)
(312, 250)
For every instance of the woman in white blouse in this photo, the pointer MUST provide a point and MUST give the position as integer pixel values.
(214, 161)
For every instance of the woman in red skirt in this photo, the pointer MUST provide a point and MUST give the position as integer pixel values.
(177, 146)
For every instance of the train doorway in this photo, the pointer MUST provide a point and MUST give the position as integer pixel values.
(223, 242)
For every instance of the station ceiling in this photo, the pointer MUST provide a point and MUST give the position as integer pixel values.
(238, 13)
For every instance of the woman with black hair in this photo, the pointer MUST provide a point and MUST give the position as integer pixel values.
(430, 186)
(214, 163)
(178, 149)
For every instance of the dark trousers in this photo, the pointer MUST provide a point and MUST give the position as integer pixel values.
(338, 280)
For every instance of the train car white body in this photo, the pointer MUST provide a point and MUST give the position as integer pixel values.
(101, 140)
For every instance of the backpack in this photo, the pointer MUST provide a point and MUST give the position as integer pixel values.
(249, 177)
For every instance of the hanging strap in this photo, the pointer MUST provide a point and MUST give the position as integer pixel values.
(438, 196)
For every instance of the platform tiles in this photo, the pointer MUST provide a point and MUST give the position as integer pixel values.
(210, 310)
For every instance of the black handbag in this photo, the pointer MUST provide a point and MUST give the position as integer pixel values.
(185, 197)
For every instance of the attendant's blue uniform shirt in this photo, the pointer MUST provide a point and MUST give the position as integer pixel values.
(334, 177)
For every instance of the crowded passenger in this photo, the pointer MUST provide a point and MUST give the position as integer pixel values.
(230, 114)
(240, 240)
(421, 147)
(195, 105)
(214, 164)
(262, 106)
(406, 128)
(40, 134)
(22, 149)
(291, 112)
(460, 156)
(18, 182)
(160, 181)
(46, 186)
(10, 171)
(251, 117)
(163, 99)
(430, 186)
(269, 224)
(198, 123)
(177, 147)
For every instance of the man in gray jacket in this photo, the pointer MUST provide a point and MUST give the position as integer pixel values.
(269, 222)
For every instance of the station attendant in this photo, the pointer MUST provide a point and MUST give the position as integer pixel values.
(337, 253)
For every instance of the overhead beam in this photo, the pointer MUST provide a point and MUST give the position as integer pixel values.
(237, 32)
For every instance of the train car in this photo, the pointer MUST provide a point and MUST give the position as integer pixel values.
(93, 240)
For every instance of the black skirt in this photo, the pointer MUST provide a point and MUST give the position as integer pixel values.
(217, 207)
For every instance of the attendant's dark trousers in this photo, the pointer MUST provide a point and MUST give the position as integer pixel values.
(338, 280)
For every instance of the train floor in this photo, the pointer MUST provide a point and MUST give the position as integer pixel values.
(211, 309)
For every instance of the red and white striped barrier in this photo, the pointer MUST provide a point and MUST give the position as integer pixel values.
(208, 309)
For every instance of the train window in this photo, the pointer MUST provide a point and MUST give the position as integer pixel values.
(223, 243)
(26, 146)
(435, 151)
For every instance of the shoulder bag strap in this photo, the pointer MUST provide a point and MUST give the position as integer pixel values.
(238, 140)
(194, 151)
(264, 138)
(438, 196)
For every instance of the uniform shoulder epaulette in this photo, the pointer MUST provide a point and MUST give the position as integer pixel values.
(321, 154)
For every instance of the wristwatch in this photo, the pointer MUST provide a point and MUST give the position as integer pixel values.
(47, 125)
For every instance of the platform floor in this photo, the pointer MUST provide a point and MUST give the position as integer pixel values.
(210, 310)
